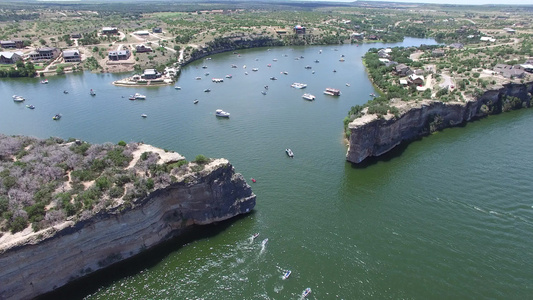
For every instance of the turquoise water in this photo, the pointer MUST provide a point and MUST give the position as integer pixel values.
(447, 217)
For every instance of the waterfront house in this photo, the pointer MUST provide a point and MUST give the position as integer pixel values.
(119, 55)
(383, 53)
(157, 30)
(72, 55)
(44, 53)
(142, 48)
(357, 36)
(457, 46)
(509, 71)
(151, 74)
(437, 53)
(10, 57)
(7, 44)
(75, 36)
(416, 79)
(299, 29)
(402, 70)
(109, 30)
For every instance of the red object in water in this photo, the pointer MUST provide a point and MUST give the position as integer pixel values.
(253, 180)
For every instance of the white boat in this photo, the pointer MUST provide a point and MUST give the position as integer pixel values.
(144, 115)
(207, 90)
(287, 274)
(204, 67)
(245, 73)
(44, 81)
(18, 98)
(92, 93)
(56, 117)
(217, 80)
(347, 84)
(332, 92)
(255, 235)
(195, 101)
(298, 85)
(263, 92)
(275, 59)
(198, 78)
(255, 69)
(206, 74)
(221, 113)
(139, 96)
(229, 76)
(177, 87)
(264, 242)
(306, 292)
(244, 67)
(308, 97)
(30, 106)
(289, 152)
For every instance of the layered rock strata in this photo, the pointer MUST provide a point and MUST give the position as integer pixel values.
(53, 257)
(371, 136)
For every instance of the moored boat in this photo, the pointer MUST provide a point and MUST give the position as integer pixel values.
(229, 76)
(207, 90)
(298, 85)
(144, 115)
(56, 117)
(287, 274)
(255, 235)
(308, 97)
(289, 152)
(18, 98)
(217, 80)
(30, 106)
(221, 113)
(332, 92)
(139, 96)
(131, 97)
(273, 78)
(92, 93)
(177, 87)
(306, 292)
(255, 69)
(195, 101)
(308, 67)
(44, 81)
(65, 92)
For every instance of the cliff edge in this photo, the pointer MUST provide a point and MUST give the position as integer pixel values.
(52, 257)
(372, 136)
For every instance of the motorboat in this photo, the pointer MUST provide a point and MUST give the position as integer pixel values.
(177, 87)
(266, 87)
(308, 97)
(30, 106)
(44, 81)
(347, 84)
(207, 90)
(269, 65)
(264, 242)
(253, 180)
(139, 96)
(255, 69)
(273, 78)
(131, 97)
(255, 235)
(298, 85)
(306, 292)
(195, 101)
(263, 92)
(286, 274)
(198, 78)
(275, 59)
(244, 67)
(92, 93)
(229, 76)
(217, 80)
(332, 92)
(308, 67)
(234, 66)
(56, 117)
(289, 152)
(317, 61)
(65, 92)
(18, 98)
(144, 115)
(221, 113)
(373, 95)
(334, 71)
(245, 73)
(285, 73)
(204, 67)
(206, 73)
(342, 59)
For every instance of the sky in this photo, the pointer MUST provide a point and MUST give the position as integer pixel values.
(469, 2)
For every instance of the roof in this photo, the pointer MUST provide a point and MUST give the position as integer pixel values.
(403, 81)
(72, 52)
(109, 28)
(150, 72)
(141, 32)
(9, 55)
(415, 77)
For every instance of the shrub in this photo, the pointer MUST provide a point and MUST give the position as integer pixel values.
(122, 143)
(144, 155)
(18, 224)
(201, 159)
(116, 192)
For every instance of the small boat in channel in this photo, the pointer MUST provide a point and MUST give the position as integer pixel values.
(18, 98)
(56, 117)
(144, 115)
(286, 274)
(195, 101)
(221, 113)
(44, 81)
(92, 93)
(65, 92)
(229, 76)
(255, 235)
(298, 85)
(30, 106)
(207, 90)
(255, 69)
(308, 97)
(177, 87)
(264, 242)
(306, 292)
(289, 152)
(263, 92)
(273, 78)
(139, 96)
(332, 92)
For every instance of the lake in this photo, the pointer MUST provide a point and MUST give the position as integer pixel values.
(447, 217)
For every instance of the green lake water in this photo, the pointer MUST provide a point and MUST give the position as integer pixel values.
(447, 217)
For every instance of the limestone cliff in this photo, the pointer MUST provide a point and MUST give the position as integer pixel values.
(373, 136)
(55, 256)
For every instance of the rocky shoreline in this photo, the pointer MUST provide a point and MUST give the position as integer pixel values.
(371, 136)
(55, 256)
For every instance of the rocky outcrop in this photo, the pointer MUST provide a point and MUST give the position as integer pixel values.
(371, 136)
(55, 256)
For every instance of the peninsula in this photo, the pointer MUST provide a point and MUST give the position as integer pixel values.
(104, 203)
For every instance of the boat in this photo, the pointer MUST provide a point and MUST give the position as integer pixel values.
(144, 115)
(332, 92)
(269, 65)
(308, 67)
(255, 69)
(44, 81)
(221, 113)
(56, 117)
(245, 73)
(266, 87)
(253, 180)
(263, 92)
(347, 84)
(204, 67)
(177, 87)
(255, 235)
(198, 78)
(264, 242)
(92, 93)
(18, 98)
(207, 90)
(317, 61)
(30, 106)
(65, 92)
(275, 59)
(139, 96)
(306, 292)
(195, 101)
(298, 85)
(308, 97)
(244, 67)
(342, 59)
(206, 74)
(273, 78)
(131, 97)
(234, 66)
(229, 76)
(289, 152)
(287, 274)
(334, 71)
(217, 80)
(285, 73)
(373, 95)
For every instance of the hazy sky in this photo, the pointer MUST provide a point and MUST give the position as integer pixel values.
(468, 2)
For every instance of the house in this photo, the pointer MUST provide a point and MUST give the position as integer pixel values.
(109, 30)
(402, 70)
(44, 53)
(509, 30)
(419, 72)
(357, 36)
(373, 37)
(157, 30)
(72, 55)
(527, 67)
(403, 82)
(7, 44)
(383, 53)
(390, 63)
(150, 74)
(299, 29)
(142, 33)
(142, 49)
(281, 31)
(75, 36)
(437, 53)
(457, 46)
(487, 39)
(10, 57)
(509, 71)
(415, 79)
(119, 55)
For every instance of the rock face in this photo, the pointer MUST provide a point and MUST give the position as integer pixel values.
(61, 254)
(373, 136)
